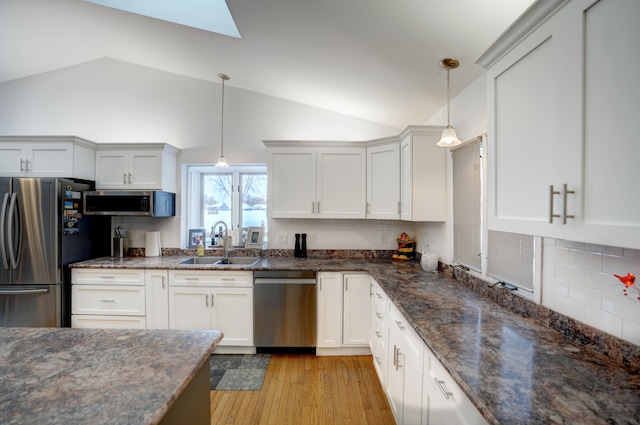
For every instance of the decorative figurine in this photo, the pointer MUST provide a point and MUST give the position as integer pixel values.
(629, 283)
(406, 248)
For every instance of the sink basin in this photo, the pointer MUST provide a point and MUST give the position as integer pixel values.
(220, 261)
(245, 261)
(201, 260)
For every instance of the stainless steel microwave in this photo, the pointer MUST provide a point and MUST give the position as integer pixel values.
(130, 202)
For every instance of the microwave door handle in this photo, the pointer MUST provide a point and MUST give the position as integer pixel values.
(3, 225)
(13, 217)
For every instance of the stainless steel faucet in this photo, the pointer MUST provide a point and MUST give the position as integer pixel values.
(227, 238)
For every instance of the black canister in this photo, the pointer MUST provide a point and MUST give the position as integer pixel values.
(303, 249)
(297, 252)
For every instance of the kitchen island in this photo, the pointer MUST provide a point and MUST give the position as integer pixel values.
(91, 376)
(513, 367)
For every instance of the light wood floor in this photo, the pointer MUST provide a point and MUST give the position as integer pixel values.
(305, 389)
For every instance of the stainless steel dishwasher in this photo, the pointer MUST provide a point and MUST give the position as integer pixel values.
(284, 316)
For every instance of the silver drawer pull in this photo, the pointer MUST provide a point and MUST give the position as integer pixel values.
(400, 325)
(228, 279)
(379, 334)
(107, 301)
(107, 277)
(440, 385)
(379, 315)
(191, 278)
(379, 295)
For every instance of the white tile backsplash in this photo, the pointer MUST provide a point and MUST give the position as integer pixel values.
(578, 281)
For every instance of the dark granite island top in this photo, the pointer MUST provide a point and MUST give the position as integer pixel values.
(514, 369)
(97, 376)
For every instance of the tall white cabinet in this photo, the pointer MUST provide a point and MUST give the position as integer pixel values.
(561, 134)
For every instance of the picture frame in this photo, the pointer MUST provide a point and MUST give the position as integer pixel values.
(254, 237)
(195, 237)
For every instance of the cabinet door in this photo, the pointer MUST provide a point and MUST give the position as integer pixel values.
(383, 182)
(51, 160)
(189, 308)
(406, 179)
(157, 299)
(341, 183)
(12, 160)
(526, 131)
(356, 326)
(232, 310)
(412, 408)
(329, 301)
(291, 183)
(112, 170)
(145, 170)
(604, 102)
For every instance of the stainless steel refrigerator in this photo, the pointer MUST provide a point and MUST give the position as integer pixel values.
(42, 231)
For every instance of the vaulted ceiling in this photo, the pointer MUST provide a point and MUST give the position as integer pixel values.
(373, 59)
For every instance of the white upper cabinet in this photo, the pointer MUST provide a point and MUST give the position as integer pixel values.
(423, 175)
(561, 107)
(47, 156)
(139, 167)
(306, 181)
(383, 180)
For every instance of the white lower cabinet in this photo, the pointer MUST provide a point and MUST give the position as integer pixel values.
(344, 313)
(404, 389)
(157, 298)
(419, 389)
(221, 300)
(379, 331)
(108, 298)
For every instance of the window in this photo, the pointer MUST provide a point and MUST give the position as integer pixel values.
(236, 195)
(512, 259)
(467, 205)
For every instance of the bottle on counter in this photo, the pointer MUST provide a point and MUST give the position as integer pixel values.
(297, 251)
(200, 249)
(303, 247)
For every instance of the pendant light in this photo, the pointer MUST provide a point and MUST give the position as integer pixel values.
(222, 161)
(449, 137)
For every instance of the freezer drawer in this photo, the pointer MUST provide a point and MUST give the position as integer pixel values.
(30, 305)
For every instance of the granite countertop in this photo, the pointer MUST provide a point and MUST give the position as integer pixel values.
(513, 369)
(96, 376)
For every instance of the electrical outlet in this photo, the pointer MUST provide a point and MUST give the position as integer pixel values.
(383, 238)
(313, 239)
(283, 238)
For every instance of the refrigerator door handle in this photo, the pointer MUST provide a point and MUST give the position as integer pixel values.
(27, 291)
(3, 225)
(14, 252)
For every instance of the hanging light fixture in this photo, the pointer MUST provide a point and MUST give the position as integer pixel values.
(449, 137)
(222, 161)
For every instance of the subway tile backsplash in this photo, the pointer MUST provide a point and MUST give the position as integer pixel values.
(578, 281)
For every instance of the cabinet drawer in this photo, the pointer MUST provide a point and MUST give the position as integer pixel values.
(413, 340)
(210, 278)
(107, 276)
(108, 300)
(445, 388)
(107, 322)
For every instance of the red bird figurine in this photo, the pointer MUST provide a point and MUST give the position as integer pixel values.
(628, 280)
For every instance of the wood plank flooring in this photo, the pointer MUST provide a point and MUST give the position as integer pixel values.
(309, 390)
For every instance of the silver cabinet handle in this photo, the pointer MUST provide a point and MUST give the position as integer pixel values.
(191, 278)
(313, 207)
(28, 162)
(565, 192)
(212, 303)
(379, 315)
(440, 385)
(107, 277)
(129, 178)
(379, 334)
(124, 178)
(21, 164)
(551, 195)
(400, 325)
(395, 355)
(399, 208)
(399, 353)
(379, 295)
(318, 207)
(107, 301)
(163, 282)
(228, 279)
(206, 300)
(368, 208)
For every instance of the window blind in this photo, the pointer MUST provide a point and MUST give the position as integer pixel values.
(467, 204)
(511, 258)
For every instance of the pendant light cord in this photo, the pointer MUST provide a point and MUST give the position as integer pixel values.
(222, 121)
(448, 96)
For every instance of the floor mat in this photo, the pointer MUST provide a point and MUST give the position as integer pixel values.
(238, 372)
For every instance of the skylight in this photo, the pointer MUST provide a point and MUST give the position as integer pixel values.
(208, 15)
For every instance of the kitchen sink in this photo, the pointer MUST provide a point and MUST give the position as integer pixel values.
(245, 261)
(201, 260)
(221, 261)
